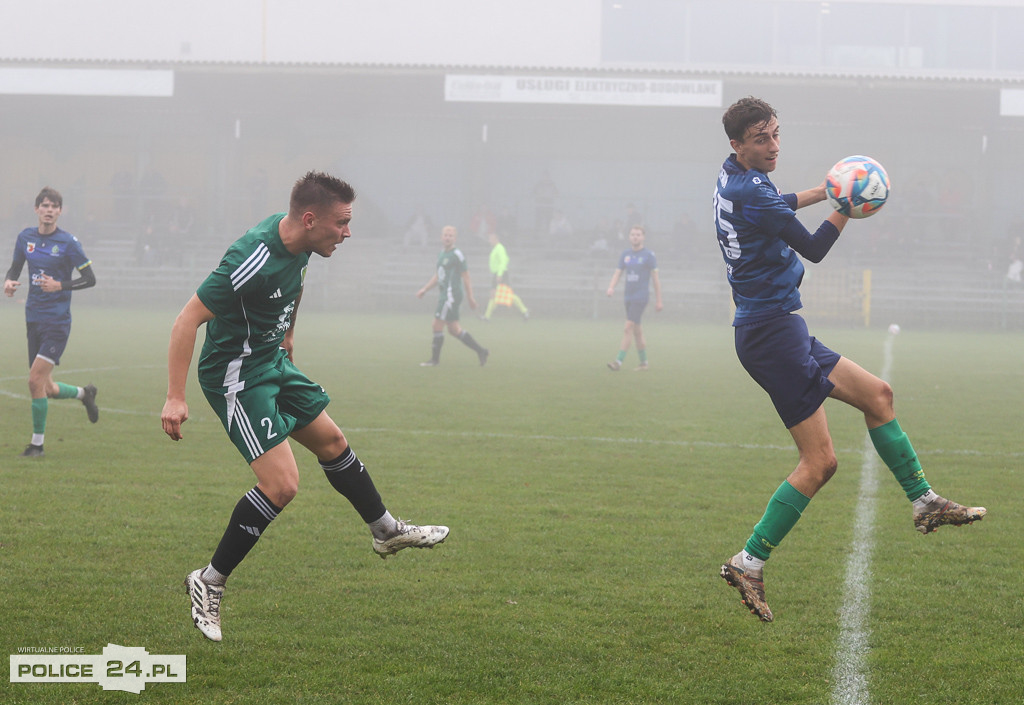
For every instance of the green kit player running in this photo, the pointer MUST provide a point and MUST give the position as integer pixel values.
(52, 255)
(451, 277)
(246, 371)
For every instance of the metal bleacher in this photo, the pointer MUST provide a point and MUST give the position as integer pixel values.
(382, 275)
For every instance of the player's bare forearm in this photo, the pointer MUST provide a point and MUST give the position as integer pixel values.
(614, 282)
(810, 196)
(427, 287)
(183, 342)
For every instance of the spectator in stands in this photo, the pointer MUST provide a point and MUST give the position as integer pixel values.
(501, 287)
(559, 229)
(53, 255)
(506, 223)
(182, 220)
(1013, 274)
(545, 192)
(633, 218)
(640, 267)
(451, 278)
(483, 222)
(417, 230)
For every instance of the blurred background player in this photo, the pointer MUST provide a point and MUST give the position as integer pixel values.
(640, 267)
(760, 238)
(451, 277)
(501, 289)
(52, 255)
(246, 371)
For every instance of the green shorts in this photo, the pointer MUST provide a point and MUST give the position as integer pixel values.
(268, 408)
(448, 307)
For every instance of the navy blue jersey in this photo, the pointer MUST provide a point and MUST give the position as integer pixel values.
(58, 255)
(764, 271)
(636, 266)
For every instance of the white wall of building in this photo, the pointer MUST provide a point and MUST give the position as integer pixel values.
(535, 33)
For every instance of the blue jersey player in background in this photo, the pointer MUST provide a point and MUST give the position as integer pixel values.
(760, 238)
(52, 255)
(639, 267)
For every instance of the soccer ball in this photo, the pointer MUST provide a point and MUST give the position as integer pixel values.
(857, 186)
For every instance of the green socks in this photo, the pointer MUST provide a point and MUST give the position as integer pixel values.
(781, 515)
(39, 407)
(42, 405)
(787, 504)
(66, 391)
(894, 449)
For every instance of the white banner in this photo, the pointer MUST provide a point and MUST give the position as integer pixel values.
(105, 82)
(1011, 102)
(577, 90)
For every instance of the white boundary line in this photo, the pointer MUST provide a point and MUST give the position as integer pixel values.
(850, 671)
(682, 443)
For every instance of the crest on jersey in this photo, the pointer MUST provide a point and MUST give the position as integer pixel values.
(31, 247)
(55, 250)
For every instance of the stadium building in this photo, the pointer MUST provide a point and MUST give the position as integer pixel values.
(168, 136)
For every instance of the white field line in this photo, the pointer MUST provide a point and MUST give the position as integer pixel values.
(849, 674)
(197, 415)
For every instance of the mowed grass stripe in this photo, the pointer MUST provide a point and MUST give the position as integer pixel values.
(589, 510)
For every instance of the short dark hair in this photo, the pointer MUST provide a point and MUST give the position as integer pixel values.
(745, 113)
(319, 189)
(51, 193)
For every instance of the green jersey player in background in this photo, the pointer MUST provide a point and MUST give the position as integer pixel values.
(246, 372)
(451, 277)
(52, 255)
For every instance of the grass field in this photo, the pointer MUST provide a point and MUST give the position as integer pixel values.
(590, 512)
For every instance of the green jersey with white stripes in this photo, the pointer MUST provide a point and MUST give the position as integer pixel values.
(450, 266)
(252, 294)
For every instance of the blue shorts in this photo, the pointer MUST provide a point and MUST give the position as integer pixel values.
(788, 363)
(635, 310)
(47, 340)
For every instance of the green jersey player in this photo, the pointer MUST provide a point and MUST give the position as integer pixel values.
(451, 277)
(246, 372)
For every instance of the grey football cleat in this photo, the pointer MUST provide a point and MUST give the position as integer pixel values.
(943, 512)
(89, 401)
(205, 604)
(32, 451)
(751, 587)
(410, 536)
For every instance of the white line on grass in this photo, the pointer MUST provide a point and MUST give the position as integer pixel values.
(850, 672)
(787, 448)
